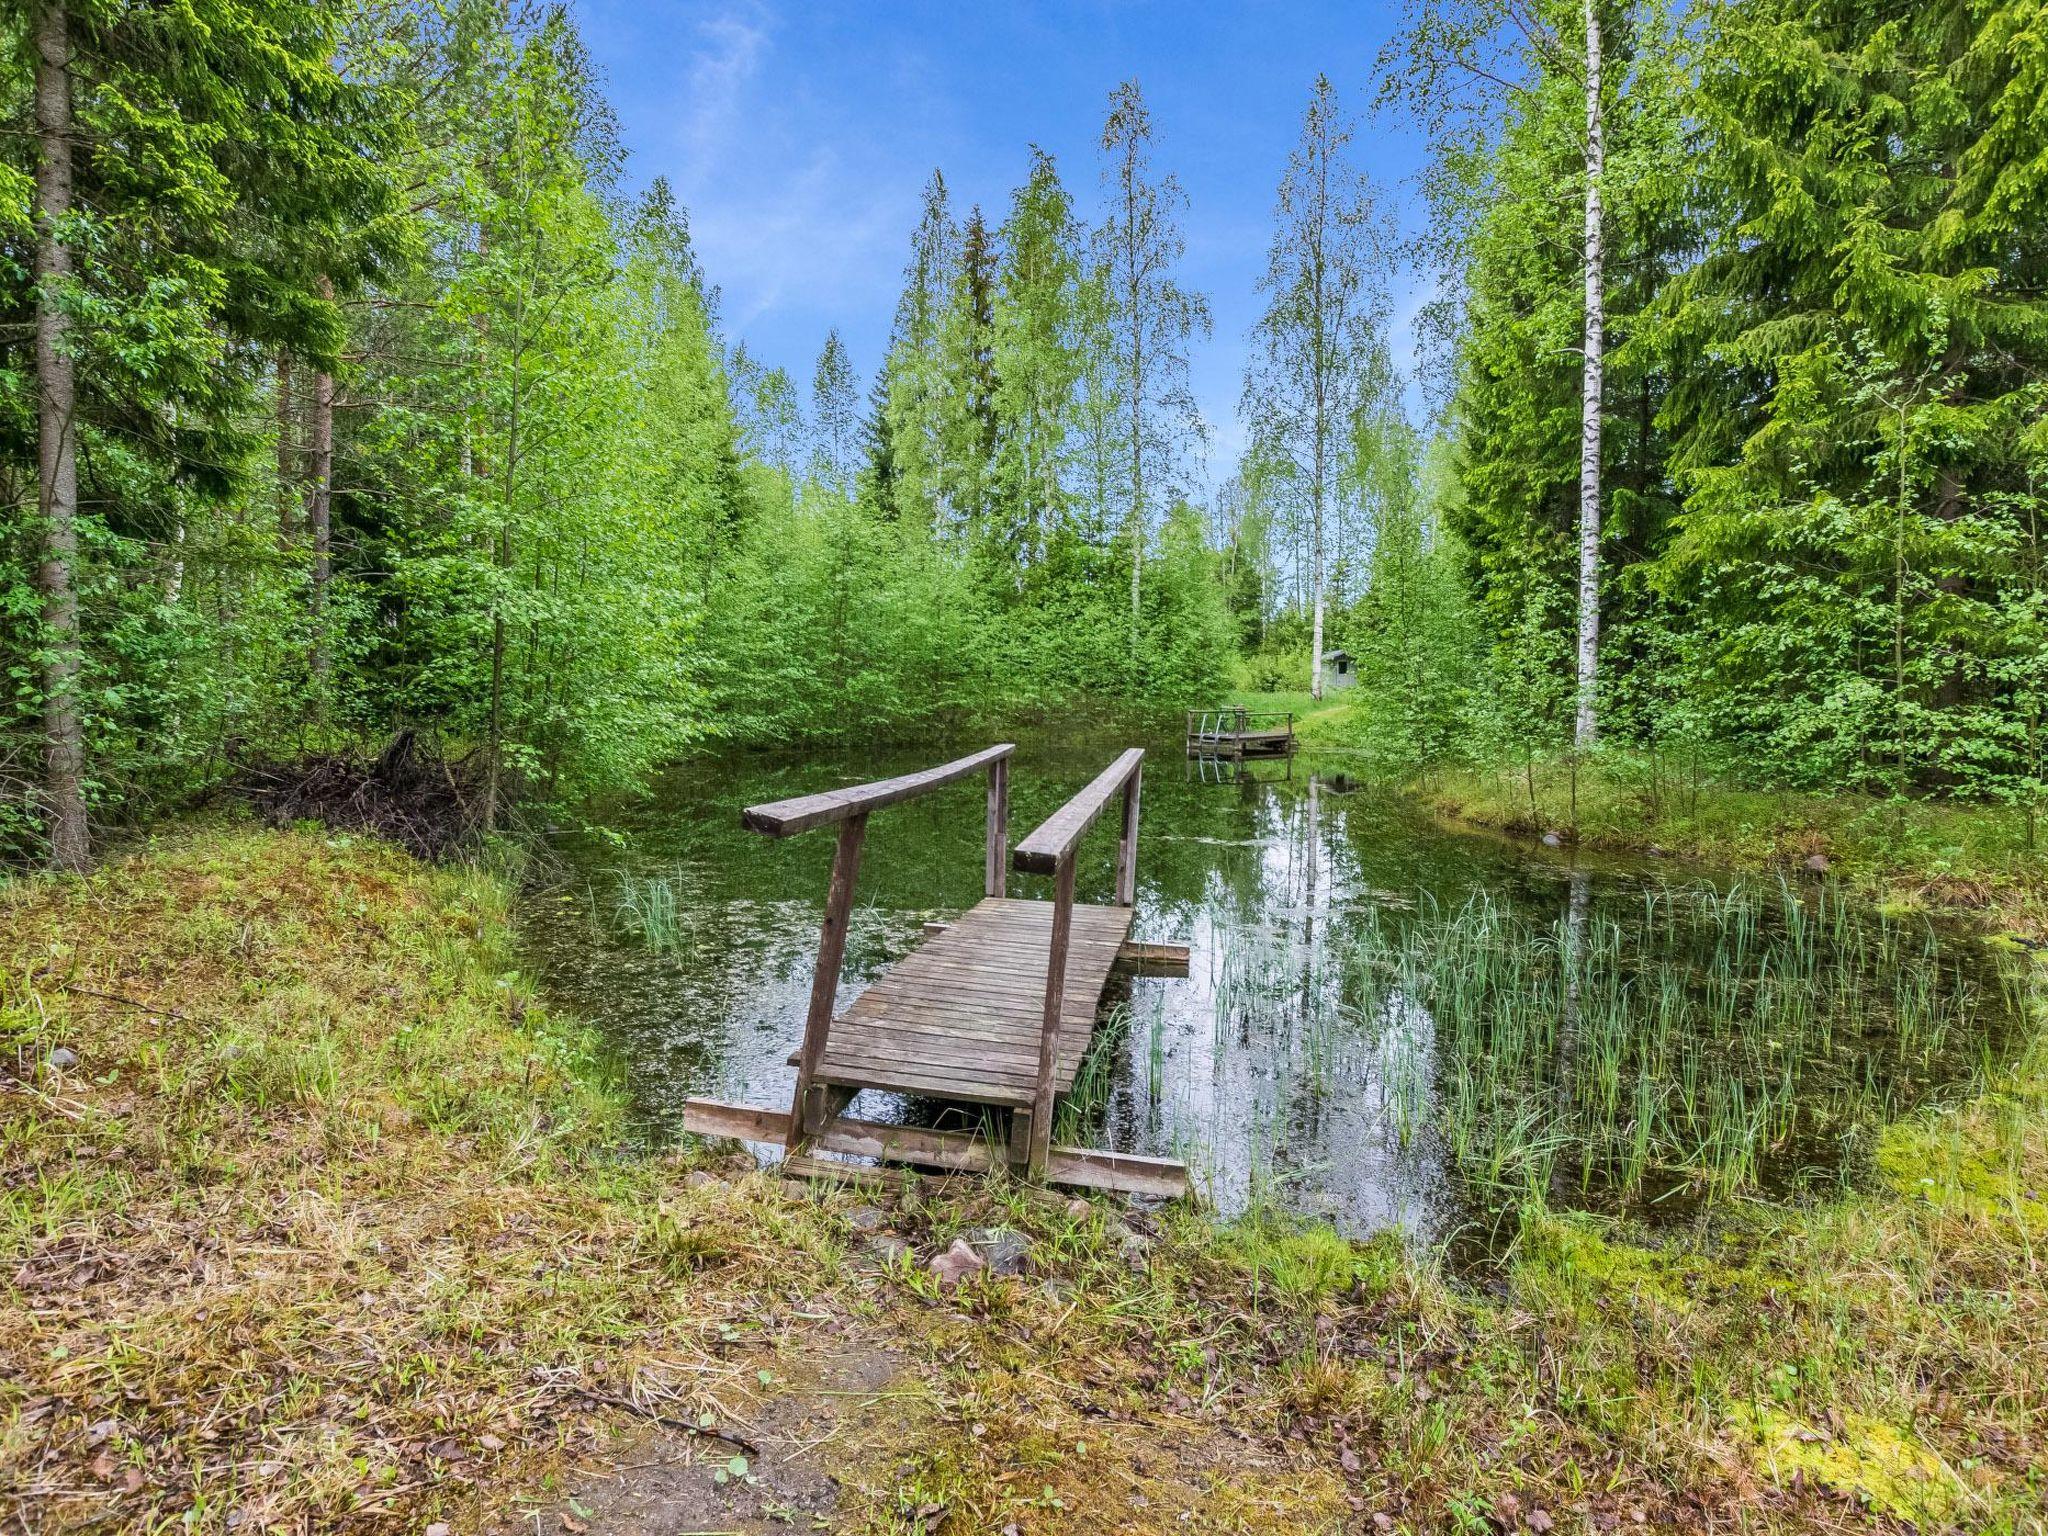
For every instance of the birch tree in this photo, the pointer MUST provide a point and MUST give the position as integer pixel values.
(835, 419)
(1152, 320)
(1036, 356)
(1322, 337)
(1479, 53)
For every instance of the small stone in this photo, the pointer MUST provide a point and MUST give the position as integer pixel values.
(1552, 840)
(1003, 1249)
(955, 1264)
(699, 1179)
(886, 1249)
(1079, 1209)
(1129, 1242)
(62, 1059)
(865, 1218)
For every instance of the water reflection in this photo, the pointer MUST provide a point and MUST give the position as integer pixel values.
(1300, 1060)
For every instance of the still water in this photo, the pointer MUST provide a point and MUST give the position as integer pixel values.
(1386, 1022)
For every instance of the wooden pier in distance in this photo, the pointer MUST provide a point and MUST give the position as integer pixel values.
(1240, 733)
(995, 1009)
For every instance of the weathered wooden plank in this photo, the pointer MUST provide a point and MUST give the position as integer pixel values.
(1127, 841)
(785, 818)
(1082, 1167)
(857, 1175)
(1057, 835)
(997, 860)
(1161, 1177)
(741, 1122)
(1049, 1024)
(961, 1151)
(1142, 959)
(825, 978)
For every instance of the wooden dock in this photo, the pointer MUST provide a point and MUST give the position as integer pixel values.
(995, 1009)
(1239, 733)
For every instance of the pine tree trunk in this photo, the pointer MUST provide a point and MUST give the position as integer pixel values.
(320, 510)
(287, 453)
(57, 446)
(1586, 727)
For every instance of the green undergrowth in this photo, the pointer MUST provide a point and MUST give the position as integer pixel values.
(330, 1225)
(1940, 854)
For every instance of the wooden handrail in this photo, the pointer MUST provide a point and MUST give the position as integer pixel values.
(1056, 837)
(811, 1108)
(785, 818)
(1050, 851)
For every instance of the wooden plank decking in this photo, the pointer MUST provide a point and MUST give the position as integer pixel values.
(958, 1018)
(993, 1009)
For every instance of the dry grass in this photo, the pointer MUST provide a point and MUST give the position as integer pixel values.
(328, 1227)
(324, 1223)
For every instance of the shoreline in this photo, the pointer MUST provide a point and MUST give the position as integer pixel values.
(329, 1222)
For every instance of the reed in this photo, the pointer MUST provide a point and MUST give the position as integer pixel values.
(1670, 1041)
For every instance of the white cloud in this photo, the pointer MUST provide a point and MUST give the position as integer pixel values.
(723, 66)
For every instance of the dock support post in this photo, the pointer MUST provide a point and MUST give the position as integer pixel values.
(1049, 1027)
(998, 857)
(825, 980)
(1127, 846)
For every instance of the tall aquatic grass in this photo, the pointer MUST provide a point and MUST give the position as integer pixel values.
(650, 906)
(1689, 1042)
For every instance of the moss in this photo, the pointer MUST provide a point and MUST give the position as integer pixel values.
(330, 1188)
(1878, 1463)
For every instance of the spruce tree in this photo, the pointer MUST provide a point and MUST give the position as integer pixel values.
(196, 170)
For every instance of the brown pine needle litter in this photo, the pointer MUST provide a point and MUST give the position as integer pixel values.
(311, 1218)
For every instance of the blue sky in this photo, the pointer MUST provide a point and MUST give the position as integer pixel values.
(800, 136)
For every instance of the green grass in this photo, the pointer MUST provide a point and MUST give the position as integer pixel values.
(1941, 854)
(329, 1197)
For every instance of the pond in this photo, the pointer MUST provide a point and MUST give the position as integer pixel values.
(1386, 1022)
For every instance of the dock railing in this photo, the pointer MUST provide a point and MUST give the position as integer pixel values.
(1227, 732)
(1050, 850)
(849, 809)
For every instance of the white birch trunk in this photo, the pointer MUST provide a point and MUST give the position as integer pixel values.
(1586, 726)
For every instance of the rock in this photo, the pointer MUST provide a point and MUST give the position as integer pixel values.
(699, 1179)
(1816, 862)
(1079, 1209)
(62, 1059)
(1552, 840)
(1003, 1249)
(885, 1249)
(865, 1218)
(955, 1264)
(1129, 1242)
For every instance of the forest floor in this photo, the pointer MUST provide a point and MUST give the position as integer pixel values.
(312, 1219)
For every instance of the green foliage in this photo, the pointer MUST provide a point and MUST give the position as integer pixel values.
(222, 165)
(1861, 463)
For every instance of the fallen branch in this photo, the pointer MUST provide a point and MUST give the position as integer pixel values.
(130, 1002)
(653, 1417)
